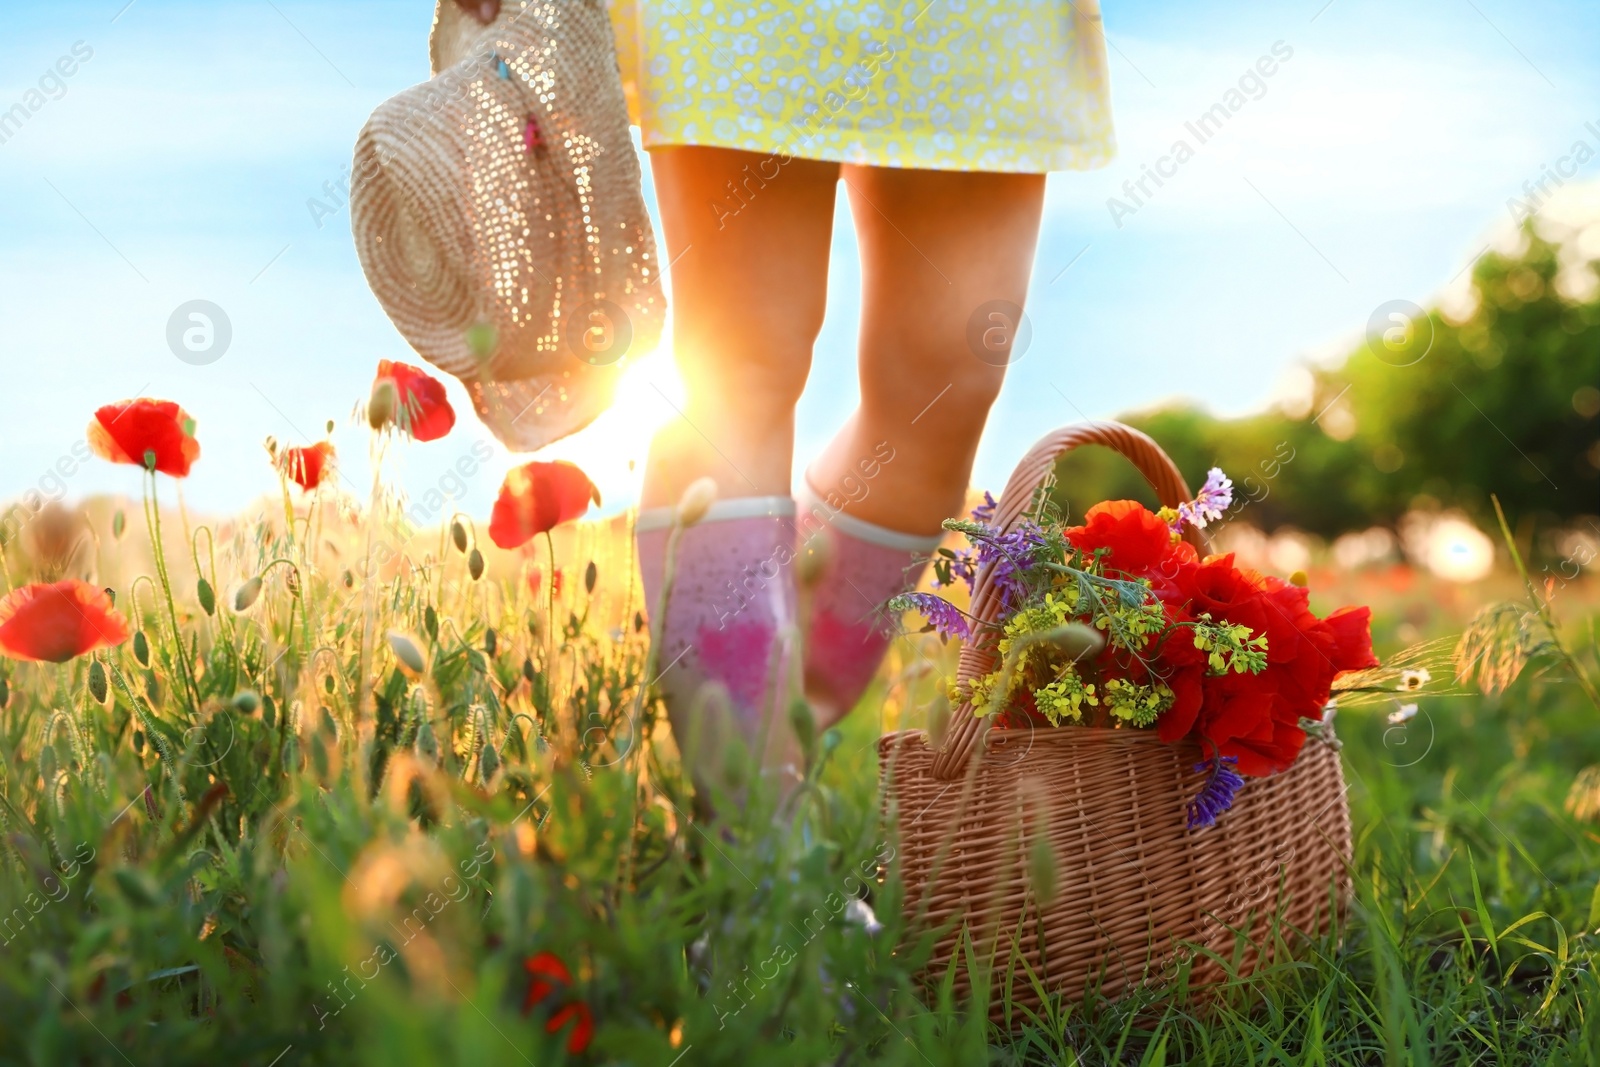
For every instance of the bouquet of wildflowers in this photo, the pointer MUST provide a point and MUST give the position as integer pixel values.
(1119, 623)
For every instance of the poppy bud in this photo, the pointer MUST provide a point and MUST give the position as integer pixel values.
(141, 649)
(207, 598)
(481, 340)
(696, 500)
(383, 403)
(1075, 639)
(1044, 873)
(805, 728)
(427, 744)
(458, 535)
(488, 764)
(119, 523)
(247, 594)
(475, 564)
(97, 682)
(406, 651)
(813, 560)
(430, 622)
(319, 757)
(246, 702)
(269, 713)
(527, 668)
(591, 575)
(491, 642)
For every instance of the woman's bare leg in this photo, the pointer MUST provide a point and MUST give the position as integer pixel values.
(936, 247)
(748, 237)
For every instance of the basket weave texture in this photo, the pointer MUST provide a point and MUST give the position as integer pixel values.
(1133, 881)
(506, 191)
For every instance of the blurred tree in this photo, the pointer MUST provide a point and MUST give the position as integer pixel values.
(1437, 412)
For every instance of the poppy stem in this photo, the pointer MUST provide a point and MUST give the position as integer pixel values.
(369, 575)
(152, 513)
(224, 624)
(154, 736)
(550, 628)
(5, 565)
(658, 615)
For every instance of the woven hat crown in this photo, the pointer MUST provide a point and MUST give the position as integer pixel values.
(498, 214)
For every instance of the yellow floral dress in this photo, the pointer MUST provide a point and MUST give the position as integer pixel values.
(984, 85)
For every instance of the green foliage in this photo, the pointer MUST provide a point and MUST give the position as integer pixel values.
(1503, 402)
(324, 881)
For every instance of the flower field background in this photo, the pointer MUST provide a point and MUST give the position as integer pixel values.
(271, 866)
(360, 792)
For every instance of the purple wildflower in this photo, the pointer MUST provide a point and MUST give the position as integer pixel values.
(984, 512)
(1009, 555)
(945, 616)
(1214, 498)
(963, 567)
(1216, 796)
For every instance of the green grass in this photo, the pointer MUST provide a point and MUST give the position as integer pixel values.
(199, 881)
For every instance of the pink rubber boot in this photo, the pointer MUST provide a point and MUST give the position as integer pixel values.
(847, 632)
(729, 621)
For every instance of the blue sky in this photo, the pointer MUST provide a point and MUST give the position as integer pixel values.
(177, 164)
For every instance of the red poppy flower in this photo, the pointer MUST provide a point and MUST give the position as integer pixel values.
(55, 623)
(306, 467)
(536, 498)
(550, 975)
(581, 1034)
(145, 433)
(1137, 538)
(425, 412)
(1256, 717)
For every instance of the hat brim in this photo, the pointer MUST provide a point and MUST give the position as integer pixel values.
(454, 32)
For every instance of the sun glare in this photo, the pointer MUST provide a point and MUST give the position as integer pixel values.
(612, 449)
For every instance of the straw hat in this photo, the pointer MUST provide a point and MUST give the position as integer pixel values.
(456, 25)
(499, 216)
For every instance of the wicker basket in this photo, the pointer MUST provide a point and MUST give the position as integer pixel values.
(1134, 883)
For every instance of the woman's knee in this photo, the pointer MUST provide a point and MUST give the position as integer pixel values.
(939, 375)
(760, 359)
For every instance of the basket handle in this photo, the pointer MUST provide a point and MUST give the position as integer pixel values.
(978, 656)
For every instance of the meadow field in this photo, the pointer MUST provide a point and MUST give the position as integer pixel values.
(223, 847)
